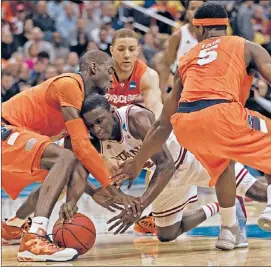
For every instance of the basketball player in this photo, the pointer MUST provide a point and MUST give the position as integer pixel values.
(179, 43)
(214, 80)
(28, 155)
(173, 173)
(133, 80)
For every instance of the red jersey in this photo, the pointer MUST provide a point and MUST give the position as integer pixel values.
(215, 69)
(124, 93)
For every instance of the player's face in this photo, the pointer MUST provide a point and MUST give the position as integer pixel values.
(99, 122)
(192, 8)
(124, 53)
(103, 77)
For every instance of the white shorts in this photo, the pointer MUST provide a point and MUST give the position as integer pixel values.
(168, 207)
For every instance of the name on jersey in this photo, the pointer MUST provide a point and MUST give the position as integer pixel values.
(206, 46)
(124, 155)
(121, 98)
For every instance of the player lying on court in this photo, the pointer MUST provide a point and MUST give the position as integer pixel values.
(29, 120)
(212, 86)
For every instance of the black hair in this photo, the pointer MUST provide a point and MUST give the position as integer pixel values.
(43, 54)
(94, 101)
(210, 10)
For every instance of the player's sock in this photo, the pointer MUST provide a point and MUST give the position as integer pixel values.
(269, 195)
(228, 216)
(38, 222)
(15, 221)
(210, 209)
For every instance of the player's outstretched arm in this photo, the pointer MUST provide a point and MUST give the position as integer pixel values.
(259, 59)
(149, 86)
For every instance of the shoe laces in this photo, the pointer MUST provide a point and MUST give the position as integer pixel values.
(26, 226)
(46, 238)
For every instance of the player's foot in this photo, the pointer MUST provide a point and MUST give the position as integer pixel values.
(264, 221)
(230, 238)
(145, 225)
(38, 247)
(241, 215)
(11, 235)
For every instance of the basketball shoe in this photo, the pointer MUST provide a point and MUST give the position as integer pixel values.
(145, 225)
(264, 221)
(11, 235)
(38, 247)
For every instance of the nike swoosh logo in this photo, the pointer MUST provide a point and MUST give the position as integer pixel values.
(38, 223)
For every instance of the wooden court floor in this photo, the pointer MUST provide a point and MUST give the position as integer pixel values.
(134, 250)
(129, 250)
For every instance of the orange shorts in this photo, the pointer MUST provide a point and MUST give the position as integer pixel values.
(21, 155)
(221, 133)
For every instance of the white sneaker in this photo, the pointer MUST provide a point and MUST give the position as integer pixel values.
(264, 221)
(230, 238)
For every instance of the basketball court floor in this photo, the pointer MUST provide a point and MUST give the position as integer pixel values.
(196, 248)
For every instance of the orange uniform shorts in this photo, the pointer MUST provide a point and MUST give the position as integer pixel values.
(21, 155)
(221, 133)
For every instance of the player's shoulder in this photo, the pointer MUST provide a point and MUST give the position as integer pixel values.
(149, 77)
(67, 79)
(138, 113)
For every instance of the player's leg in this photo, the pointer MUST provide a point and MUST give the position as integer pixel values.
(188, 220)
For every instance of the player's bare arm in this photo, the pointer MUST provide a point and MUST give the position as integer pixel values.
(140, 121)
(155, 138)
(259, 59)
(149, 86)
(169, 58)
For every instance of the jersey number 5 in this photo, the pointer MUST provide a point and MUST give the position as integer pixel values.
(207, 55)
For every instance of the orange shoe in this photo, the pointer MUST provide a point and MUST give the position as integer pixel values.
(38, 247)
(11, 235)
(145, 225)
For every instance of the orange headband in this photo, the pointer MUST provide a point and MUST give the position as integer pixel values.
(210, 22)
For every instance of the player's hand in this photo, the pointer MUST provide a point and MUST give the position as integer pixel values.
(130, 203)
(111, 164)
(128, 170)
(103, 198)
(123, 221)
(67, 210)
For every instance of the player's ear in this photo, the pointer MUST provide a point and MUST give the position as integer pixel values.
(93, 68)
(111, 50)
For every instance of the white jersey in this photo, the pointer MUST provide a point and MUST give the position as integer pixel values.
(129, 146)
(188, 41)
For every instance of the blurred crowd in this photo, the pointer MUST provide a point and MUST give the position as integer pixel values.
(41, 39)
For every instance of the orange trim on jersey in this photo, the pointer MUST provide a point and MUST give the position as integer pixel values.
(210, 21)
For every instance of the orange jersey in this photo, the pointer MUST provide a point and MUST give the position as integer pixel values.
(215, 69)
(123, 93)
(39, 108)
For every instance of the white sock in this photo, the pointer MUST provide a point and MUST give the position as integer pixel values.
(228, 216)
(269, 195)
(210, 209)
(38, 222)
(15, 221)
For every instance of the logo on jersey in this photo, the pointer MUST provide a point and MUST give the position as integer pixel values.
(121, 84)
(124, 127)
(132, 85)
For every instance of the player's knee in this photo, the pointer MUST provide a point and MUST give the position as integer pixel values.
(258, 192)
(167, 234)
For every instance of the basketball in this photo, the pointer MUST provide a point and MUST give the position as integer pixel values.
(79, 234)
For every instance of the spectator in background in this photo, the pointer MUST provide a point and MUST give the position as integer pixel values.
(41, 64)
(42, 20)
(8, 86)
(60, 46)
(92, 45)
(81, 46)
(25, 36)
(18, 20)
(89, 15)
(129, 23)
(72, 63)
(55, 9)
(50, 72)
(113, 14)
(8, 44)
(244, 20)
(59, 65)
(67, 23)
(149, 49)
(38, 44)
(103, 43)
